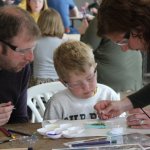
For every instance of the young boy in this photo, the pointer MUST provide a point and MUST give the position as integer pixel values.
(76, 68)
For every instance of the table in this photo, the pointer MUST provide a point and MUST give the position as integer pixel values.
(41, 144)
(89, 17)
(71, 37)
(48, 144)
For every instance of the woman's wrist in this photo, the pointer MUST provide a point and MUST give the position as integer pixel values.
(127, 105)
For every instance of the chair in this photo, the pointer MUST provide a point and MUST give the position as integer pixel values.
(37, 95)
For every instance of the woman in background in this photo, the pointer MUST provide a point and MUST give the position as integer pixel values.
(34, 7)
(52, 31)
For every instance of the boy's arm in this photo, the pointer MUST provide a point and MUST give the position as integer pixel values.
(52, 110)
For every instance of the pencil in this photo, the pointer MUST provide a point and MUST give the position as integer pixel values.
(4, 141)
(92, 143)
(18, 132)
(3, 130)
(145, 113)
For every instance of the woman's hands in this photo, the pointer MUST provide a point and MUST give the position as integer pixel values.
(108, 109)
(138, 119)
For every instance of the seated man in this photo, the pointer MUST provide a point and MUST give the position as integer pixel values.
(18, 35)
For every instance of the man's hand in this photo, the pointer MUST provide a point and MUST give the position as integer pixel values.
(5, 112)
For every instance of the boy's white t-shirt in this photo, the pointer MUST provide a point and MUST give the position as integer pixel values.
(64, 105)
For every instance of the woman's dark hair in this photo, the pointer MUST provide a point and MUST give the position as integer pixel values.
(125, 16)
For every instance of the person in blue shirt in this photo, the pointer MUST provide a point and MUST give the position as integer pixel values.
(66, 8)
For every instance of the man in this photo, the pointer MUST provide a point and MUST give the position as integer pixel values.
(18, 35)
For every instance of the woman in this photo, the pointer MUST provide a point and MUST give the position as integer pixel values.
(120, 70)
(34, 7)
(127, 23)
(52, 31)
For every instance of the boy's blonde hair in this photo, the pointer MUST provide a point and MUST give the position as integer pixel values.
(73, 56)
(50, 23)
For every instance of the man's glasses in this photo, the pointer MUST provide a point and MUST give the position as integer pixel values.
(81, 83)
(16, 49)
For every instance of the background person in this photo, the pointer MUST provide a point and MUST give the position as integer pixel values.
(93, 7)
(34, 7)
(76, 68)
(18, 35)
(117, 22)
(52, 31)
(67, 9)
